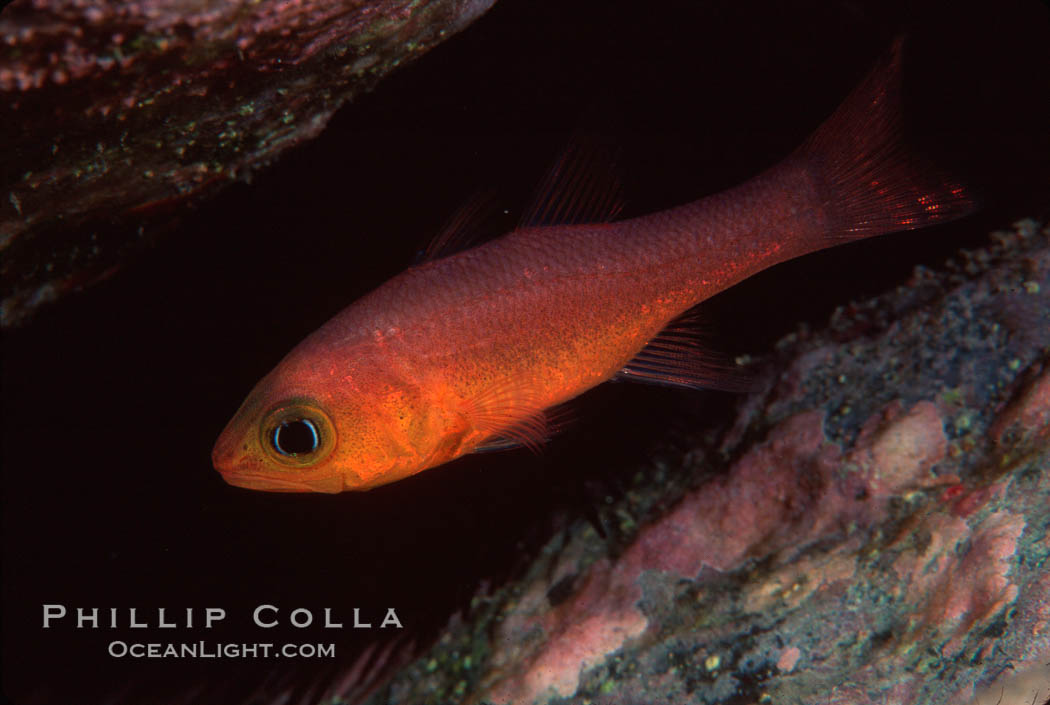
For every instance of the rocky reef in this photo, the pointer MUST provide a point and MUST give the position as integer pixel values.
(115, 114)
(871, 529)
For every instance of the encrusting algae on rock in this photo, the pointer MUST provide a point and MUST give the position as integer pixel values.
(123, 111)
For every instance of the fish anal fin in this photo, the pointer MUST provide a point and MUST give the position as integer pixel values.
(510, 416)
(583, 186)
(466, 228)
(678, 357)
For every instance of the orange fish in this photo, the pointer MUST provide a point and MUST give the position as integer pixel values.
(471, 351)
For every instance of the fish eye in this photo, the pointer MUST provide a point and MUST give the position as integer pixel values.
(297, 434)
(296, 437)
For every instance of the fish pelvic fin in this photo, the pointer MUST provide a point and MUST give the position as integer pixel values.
(868, 181)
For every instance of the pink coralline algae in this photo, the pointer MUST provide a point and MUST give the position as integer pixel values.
(883, 541)
(968, 582)
(787, 492)
(788, 659)
(896, 448)
(121, 111)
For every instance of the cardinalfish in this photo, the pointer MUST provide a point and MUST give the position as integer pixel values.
(471, 351)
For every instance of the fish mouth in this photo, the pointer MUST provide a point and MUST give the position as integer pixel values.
(239, 464)
(266, 483)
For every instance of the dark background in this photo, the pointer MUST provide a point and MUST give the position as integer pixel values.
(112, 399)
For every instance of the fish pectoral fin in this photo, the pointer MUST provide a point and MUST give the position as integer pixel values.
(554, 420)
(677, 357)
(530, 433)
(511, 417)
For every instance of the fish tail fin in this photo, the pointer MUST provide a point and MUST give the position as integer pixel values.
(867, 180)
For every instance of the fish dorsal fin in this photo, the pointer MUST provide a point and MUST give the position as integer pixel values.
(677, 357)
(582, 187)
(511, 417)
(464, 229)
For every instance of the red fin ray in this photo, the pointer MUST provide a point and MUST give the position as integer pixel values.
(497, 444)
(530, 433)
(871, 183)
(464, 229)
(678, 357)
(582, 187)
(555, 420)
(512, 417)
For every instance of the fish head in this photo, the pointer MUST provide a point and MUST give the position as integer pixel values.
(304, 428)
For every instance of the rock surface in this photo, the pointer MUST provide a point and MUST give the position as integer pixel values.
(871, 529)
(119, 112)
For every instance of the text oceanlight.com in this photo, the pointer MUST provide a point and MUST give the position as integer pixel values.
(204, 649)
